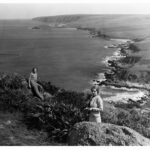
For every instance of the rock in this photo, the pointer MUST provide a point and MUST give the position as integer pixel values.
(90, 133)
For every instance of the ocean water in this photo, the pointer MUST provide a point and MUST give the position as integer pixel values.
(69, 58)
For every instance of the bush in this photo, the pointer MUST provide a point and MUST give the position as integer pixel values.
(71, 98)
(12, 81)
(56, 118)
(128, 117)
(128, 105)
(58, 114)
(49, 87)
(12, 99)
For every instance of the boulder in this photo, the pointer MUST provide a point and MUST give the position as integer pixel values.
(103, 134)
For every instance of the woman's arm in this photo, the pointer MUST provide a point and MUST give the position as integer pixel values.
(100, 103)
(29, 81)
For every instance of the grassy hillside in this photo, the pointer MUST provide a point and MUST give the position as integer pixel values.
(26, 120)
(128, 26)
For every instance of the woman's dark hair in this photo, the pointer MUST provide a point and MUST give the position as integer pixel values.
(96, 87)
(34, 68)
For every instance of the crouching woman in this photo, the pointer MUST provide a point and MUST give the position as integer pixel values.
(96, 105)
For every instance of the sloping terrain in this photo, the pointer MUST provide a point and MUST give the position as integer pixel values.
(26, 120)
(124, 26)
(89, 133)
(14, 132)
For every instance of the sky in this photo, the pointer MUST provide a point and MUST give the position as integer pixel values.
(30, 10)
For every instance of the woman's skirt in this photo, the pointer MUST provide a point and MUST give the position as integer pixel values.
(95, 118)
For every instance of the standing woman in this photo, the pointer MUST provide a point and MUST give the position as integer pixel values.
(34, 85)
(96, 105)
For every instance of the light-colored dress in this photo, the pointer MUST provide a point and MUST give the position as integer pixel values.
(33, 77)
(35, 86)
(96, 102)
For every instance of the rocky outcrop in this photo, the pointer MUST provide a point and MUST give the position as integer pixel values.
(90, 133)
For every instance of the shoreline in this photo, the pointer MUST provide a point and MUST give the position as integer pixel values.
(110, 79)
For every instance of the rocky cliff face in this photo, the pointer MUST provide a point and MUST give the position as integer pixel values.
(89, 133)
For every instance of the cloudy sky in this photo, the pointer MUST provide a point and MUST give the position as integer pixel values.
(30, 10)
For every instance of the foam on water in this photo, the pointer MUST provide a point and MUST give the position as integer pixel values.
(121, 94)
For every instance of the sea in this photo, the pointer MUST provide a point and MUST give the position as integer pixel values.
(67, 57)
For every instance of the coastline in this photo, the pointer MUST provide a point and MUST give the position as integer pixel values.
(120, 61)
(116, 64)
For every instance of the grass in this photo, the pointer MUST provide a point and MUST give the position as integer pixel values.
(55, 116)
(121, 26)
(14, 132)
(127, 116)
(49, 121)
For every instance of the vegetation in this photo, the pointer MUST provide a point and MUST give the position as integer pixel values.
(121, 68)
(94, 32)
(130, 60)
(59, 113)
(118, 26)
(55, 115)
(131, 118)
(134, 48)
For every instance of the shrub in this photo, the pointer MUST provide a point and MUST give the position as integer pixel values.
(56, 118)
(58, 114)
(128, 117)
(12, 81)
(11, 99)
(128, 105)
(49, 87)
(71, 98)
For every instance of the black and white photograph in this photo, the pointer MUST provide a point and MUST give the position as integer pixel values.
(75, 73)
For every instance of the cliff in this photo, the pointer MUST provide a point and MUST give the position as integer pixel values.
(121, 26)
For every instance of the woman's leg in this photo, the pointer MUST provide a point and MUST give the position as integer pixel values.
(36, 90)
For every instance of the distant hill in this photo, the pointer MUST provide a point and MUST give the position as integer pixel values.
(129, 26)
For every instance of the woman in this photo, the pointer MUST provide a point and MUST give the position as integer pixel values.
(96, 105)
(34, 85)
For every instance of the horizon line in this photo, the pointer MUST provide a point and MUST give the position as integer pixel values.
(30, 18)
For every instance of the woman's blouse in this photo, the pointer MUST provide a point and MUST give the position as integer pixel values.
(96, 102)
(33, 76)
